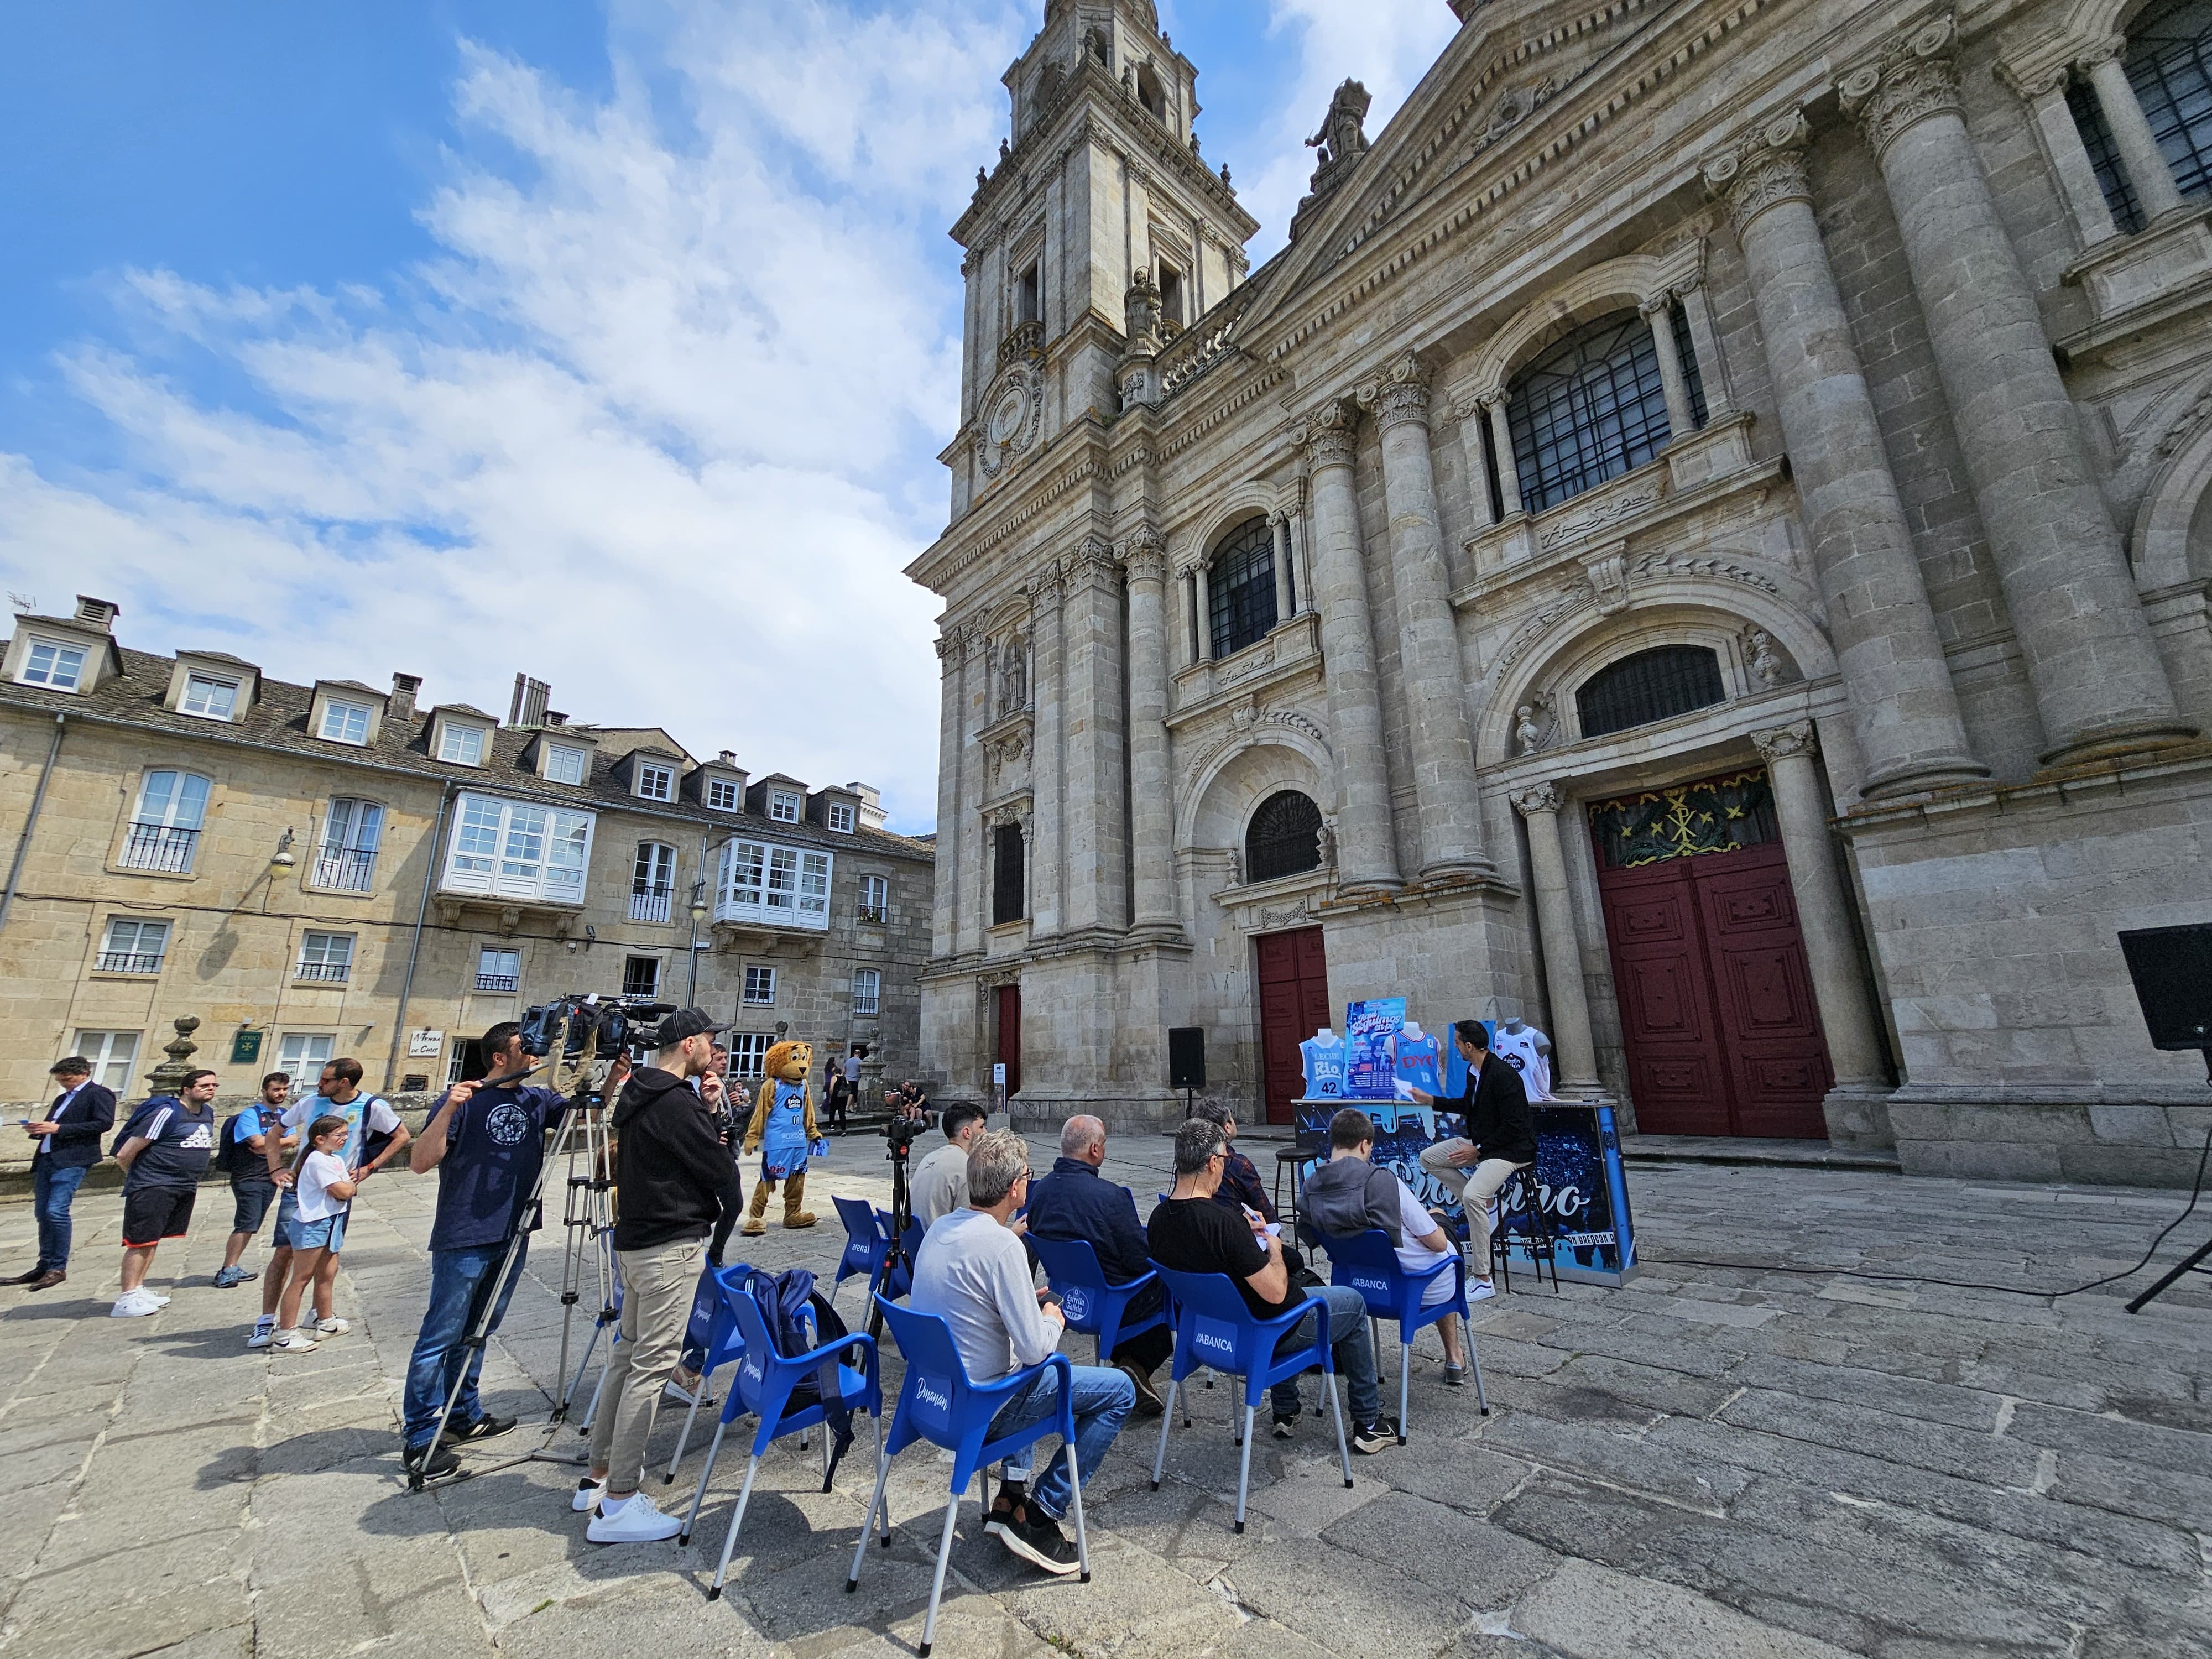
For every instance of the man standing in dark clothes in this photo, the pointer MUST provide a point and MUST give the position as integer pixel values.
(1501, 1137)
(1075, 1202)
(69, 1137)
(166, 1148)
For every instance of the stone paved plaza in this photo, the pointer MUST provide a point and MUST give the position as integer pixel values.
(1710, 1462)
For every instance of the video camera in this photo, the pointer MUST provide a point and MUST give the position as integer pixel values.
(624, 1024)
(901, 1132)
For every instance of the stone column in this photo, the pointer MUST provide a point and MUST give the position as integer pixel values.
(971, 854)
(2044, 94)
(1047, 762)
(1151, 802)
(1428, 637)
(1279, 524)
(1572, 1046)
(1903, 706)
(2140, 156)
(2098, 683)
(1501, 443)
(1367, 854)
(1681, 419)
(951, 658)
(1713, 364)
(1823, 915)
(1471, 421)
(1201, 600)
(1093, 844)
(1301, 528)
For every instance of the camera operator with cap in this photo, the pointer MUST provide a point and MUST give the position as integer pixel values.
(674, 1181)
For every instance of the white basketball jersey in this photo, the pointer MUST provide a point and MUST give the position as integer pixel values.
(1520, 1053)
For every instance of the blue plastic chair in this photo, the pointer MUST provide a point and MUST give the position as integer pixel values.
(939, 1405)
(1214, 1328)
(762, 1385)
(1369, 1264)
(724, 1346)
(868, 1240)
(1090, 1304)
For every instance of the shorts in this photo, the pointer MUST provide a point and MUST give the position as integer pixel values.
(328, 1234)
(251, 1200)
(154, 1214)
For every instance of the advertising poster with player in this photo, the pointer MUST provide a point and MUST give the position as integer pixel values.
(1371, 1032)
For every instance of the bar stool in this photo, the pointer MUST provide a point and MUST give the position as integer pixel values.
(1525, 1224)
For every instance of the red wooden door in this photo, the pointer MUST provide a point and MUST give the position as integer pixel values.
(1676, 1075)
(1294, 978)
(1010, 1037)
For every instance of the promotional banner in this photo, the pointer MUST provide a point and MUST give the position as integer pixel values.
(1371, 1032)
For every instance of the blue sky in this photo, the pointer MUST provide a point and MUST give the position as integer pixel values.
(457, 339)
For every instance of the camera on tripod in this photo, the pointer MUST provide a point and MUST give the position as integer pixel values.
(901, 1132)
(628, 1024)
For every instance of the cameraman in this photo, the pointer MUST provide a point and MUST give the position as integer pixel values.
(940, 1181)
(674, 1179)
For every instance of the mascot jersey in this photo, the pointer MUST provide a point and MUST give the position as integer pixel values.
(1518, 1050)
(783, 1142)
(1416, 1061)
(1324, 1064)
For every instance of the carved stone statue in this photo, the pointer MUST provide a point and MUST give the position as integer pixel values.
(1013, 676)
(1765, 664)
(1343, 133)
(1527, 736)
(1327, 836)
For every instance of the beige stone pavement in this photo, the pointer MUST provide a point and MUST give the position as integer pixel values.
(1713, 1461)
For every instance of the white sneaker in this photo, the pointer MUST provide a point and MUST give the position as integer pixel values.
(294, 1342)
(587, 1499)
(159, 1301)
(1479, 1289)
(332, 1327)
(135, 1305)
(262, 1336)
(635, 1522)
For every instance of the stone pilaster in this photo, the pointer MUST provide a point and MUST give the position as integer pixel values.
(1472, 422)
(1367, 856)
(2140, 156)
(1572, 1046)
(1095, 764)
(1279, 527)
(1151, 803)
(1904, 707)
(2098, 683)
(1049, 781)
(1501, 445)
(970, 855)
(1428, 639)
(1681, 421)
(1201, 604)
(944, 919)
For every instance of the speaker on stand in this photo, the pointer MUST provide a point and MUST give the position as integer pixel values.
(1187, 1062)
(2172, 968)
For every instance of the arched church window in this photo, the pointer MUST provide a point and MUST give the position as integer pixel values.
(1652, 685)
(1150, 94)
(1592, 405)
(1240, 585)
(1284, 838)
(2169, 63)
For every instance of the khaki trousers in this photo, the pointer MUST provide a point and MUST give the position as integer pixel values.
(1474, 1185)
(657, 1285)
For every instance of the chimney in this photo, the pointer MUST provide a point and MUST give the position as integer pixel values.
(527, 707)
(100, 613)
(402, 706)
(554, 717)
(729, 758)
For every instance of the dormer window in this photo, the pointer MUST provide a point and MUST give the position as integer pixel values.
(656, 782)
(722, 794)
(783, 805)
(841, 818)
(215, 698)
(344, 722)
(461, 745)
(53, 665)
(564, 763)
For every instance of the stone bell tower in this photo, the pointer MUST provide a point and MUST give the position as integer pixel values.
(1100, 178)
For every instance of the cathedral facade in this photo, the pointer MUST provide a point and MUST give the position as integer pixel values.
(1700, 541)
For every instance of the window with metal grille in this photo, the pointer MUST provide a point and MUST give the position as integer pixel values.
(641, 976)
(867, 990)
(133, 946)
(1592, 406)
(2169, 63)
(327, 958)
(1652, 685)
(1240, 585)
(760, 986)
(1283, 839)
(1009, 889)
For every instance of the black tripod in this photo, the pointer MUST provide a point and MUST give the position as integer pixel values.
(2191, 1262)
(902, 1219)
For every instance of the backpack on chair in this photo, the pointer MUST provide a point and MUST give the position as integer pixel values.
(800, 1318)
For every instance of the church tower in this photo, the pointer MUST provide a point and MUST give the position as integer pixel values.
(1100, 233)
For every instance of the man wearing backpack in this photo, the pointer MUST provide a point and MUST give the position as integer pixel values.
(242, 1149)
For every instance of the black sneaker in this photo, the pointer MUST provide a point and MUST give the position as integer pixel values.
(1149, 1403)
(483, 1429)
(1003, 1506)
(430, 1461)
(1284, 1425)
(1368, 1439)
(1037, 1539)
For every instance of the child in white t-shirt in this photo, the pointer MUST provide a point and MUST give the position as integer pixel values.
(324, 1192)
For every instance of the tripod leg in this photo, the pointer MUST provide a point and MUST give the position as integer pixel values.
(2187, 1265)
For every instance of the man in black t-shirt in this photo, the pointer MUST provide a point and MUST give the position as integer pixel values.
(1192, 1234)
(166, 1149)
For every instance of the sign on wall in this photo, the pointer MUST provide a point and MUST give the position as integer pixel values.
(245, 1049)
(425, 1044)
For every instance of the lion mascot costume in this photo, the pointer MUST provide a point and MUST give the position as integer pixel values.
(782, 1131)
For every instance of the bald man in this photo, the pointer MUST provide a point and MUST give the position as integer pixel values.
(1074, 1202)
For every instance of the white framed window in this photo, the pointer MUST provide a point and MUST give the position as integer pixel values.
(133, 946)
(760, 987)
(749, 1053)
(344, 722)
(516, 849)
(841, 818)
(165, 831)
(814, 888)
(641, 976)
(564, 762)
(722, 794)
(51, 664)
(784, 806)
(209, 695)
(301, 1056)
(653, 882)
(499, 969)
(867, 990)
(762, 882)
(326, 958)
(111, 1054)
(875, 899)
(656, 782)
(352, 830)
(460, 745)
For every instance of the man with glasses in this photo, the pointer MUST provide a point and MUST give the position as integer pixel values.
(972, 1271)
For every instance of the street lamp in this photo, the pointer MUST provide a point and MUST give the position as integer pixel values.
(698, 916)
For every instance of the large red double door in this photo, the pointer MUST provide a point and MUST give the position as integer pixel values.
(1716, 999)
(1293, 972)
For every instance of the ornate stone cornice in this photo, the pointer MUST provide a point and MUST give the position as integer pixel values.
(1043, 588)
(1332, 432)
(1400, 393)
(1094, 564)
(1781, 742)
(952, 648)
(1762, 171)
(1536, 797)
(2033, 85)
(1911, 79)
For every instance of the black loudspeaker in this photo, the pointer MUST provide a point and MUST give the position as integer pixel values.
(1186, 1057)
(2172, 968)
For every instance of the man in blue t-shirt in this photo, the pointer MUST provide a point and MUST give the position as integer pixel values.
(487, 1145)
(164, 1150)
(253, 1195)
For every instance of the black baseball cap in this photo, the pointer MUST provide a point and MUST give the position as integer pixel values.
(686, 1022)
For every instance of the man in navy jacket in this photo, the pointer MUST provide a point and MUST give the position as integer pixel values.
(69, 1137)
(1075, 1202)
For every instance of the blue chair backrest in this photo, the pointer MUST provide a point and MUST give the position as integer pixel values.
(1369, 1264)
(936, 1382)
(764, 1378)
(861, 1236)
(1213, 1324)
(1073, 1267)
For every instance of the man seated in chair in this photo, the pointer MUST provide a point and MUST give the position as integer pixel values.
(972, 1271)
(1501, 1137)
(1192, 1234)
(1074, 1202)
(1350, 1193)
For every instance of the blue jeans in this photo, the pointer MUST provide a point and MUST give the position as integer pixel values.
(1352, 1339)
(1104, 1399)
(458, 1281)
(52, 1192)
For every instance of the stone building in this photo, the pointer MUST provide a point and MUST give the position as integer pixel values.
(1700, 540)
(312, 871)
